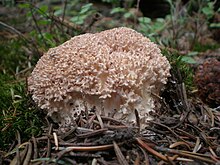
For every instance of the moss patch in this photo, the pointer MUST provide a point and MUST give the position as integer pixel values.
(16, 113)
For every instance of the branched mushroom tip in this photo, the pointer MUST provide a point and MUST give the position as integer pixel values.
(115, 70)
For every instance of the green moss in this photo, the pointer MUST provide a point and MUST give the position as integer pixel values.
(182, 71)
(13, 57)
(15, 112)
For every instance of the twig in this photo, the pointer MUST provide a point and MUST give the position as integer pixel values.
(120, 156)
(197, 145)
(94, 161)
(19, 155)
(90, 148)
(64, 10)
(197, 156)
(170, 159)
(36, 25)
(13, 30)
(18, 137)
(201, 133)
(212, 152)
(145, 156)
(35, 148)
(48, 140)
(162, 125)
(29, 153)
(210, 113)
(84, 149)
(100, 120)
(179, 143)
(104, 118)
(113, 127)
(186, 134)
(149, 149)
(56, 141)
(137, 120)
(61, 21)
(89, 124)
(82, 154)
(63, 135)
(181, 92)
(93, 133)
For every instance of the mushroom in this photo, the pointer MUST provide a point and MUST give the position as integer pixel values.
(114, 72)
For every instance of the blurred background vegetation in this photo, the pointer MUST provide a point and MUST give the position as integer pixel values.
(186, 31)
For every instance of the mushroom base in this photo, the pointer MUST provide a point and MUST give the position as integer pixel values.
(81, 106)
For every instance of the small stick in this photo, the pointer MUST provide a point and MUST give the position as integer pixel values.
(112, 119)
(137, 120)
(29, 153)
(100, 120)
(84, 149)
(179, 143)
(120, 156)
(115, 127)
(55, 141)
(149, 149)
(93, 133)
(35, 148)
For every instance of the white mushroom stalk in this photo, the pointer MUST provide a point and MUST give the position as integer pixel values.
(112, 72)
